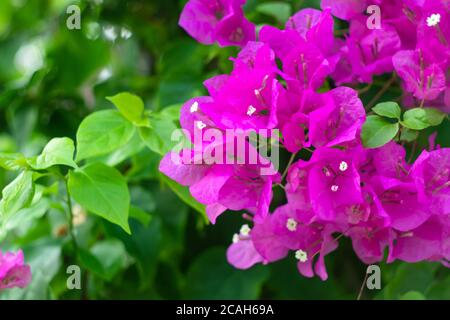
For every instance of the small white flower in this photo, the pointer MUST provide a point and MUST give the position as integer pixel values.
(251, 110)
(245, 230)
(301, 255)
(334, 188)
(235, 238)
(200, 125)
(343, 166)
(194, 107)
(433, 20)
(291, 224)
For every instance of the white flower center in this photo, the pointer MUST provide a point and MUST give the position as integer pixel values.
(235, 238)
(245, 230)
(343, 166)
(200, 125)
(194, 107)
(334, 188)
(251, 110)
(301, 255)
(291, 224)
(433, 20)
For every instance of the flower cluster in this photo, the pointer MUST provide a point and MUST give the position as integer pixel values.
(373, 196)
(221, 21)
(13, 271)
(413, 40)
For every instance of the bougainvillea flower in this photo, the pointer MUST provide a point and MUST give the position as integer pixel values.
(219, 186)
(370, 51)
(242, 254)
(423, 78)
(375, 197)
(268, 244)
(339, 120)
(333, 181)
(390, 161)
(316, 27)
(402, 204)
(431, 173)
(13, 271)
(345, 9)
(430, 241)
(247, 100)
(219, 20)
(308, 253)
(370, 243)
(306, 64)
(235, 30)
(433, 30)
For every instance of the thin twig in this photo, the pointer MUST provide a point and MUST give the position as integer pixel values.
(70, 209)
(291, 160)
(363, 285)
(381, 92)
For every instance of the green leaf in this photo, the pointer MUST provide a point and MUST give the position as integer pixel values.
(158, 138)
(439, 289)
(103, 191)
(211, 277)
(13, 161)
(171, 112)
(434, 116)
(278, 10)
(131, 107)
(408, 135)
(378, 131)
(59, 151)
(140, 215)
(409, 277)
(102, 132)
(143, 244)
(38, 207)
(413, 295)
(106, 258)
(17, 195)
(388, 109)
(183, 193)
(421, 118)
(132, 147)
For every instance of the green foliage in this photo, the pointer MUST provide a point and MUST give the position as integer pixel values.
(59, 151)
(103, 191)
(279, 10)
(131, 107)
(419, 118)
(211, 277)
(388, 109)
(378, 131)
(102, 132)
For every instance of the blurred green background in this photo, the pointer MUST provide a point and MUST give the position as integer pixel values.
(52, 77)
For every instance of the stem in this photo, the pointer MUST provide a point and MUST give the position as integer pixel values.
(291, 160)
(413, 151)
(381, 92)
(361, 290)
(365, 89)
(70, 209)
